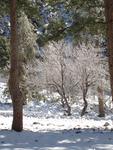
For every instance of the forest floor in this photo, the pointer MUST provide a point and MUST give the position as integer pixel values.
(47, 128)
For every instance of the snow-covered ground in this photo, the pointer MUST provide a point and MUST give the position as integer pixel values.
(46, 128)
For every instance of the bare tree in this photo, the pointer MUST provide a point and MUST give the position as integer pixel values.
(68, 69)
(59, 72)
(87, 67)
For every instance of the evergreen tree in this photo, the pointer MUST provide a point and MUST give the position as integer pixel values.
(27, 48)
(22, 48)
(4, 52)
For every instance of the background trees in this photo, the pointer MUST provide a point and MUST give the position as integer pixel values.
(68, 70)
(4, 52)
(54, 20)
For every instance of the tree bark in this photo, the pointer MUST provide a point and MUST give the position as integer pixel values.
(85, 102)
(101, 103)
(14, 89)
(68, 108)
(109, 29)
(63, 97)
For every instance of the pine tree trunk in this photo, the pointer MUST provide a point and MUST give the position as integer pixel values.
(101, 103)
(14, 89)
(109, 20)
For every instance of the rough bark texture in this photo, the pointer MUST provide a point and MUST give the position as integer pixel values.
(14, 89)
(101, 103)
(109, 20)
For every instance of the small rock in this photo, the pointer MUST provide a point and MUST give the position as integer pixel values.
(35, 122)
(78, 128)
(106, 124)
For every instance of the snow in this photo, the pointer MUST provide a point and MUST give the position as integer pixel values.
(46, 128)
(56, 140)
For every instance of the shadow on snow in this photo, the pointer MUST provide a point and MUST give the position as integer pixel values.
(56, 140)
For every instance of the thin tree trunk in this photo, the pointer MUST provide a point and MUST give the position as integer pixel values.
(64, 99)
(101, 103)
(14, 89)
(85, 103)
(84, 108)
(68, 111)
(109, 20)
